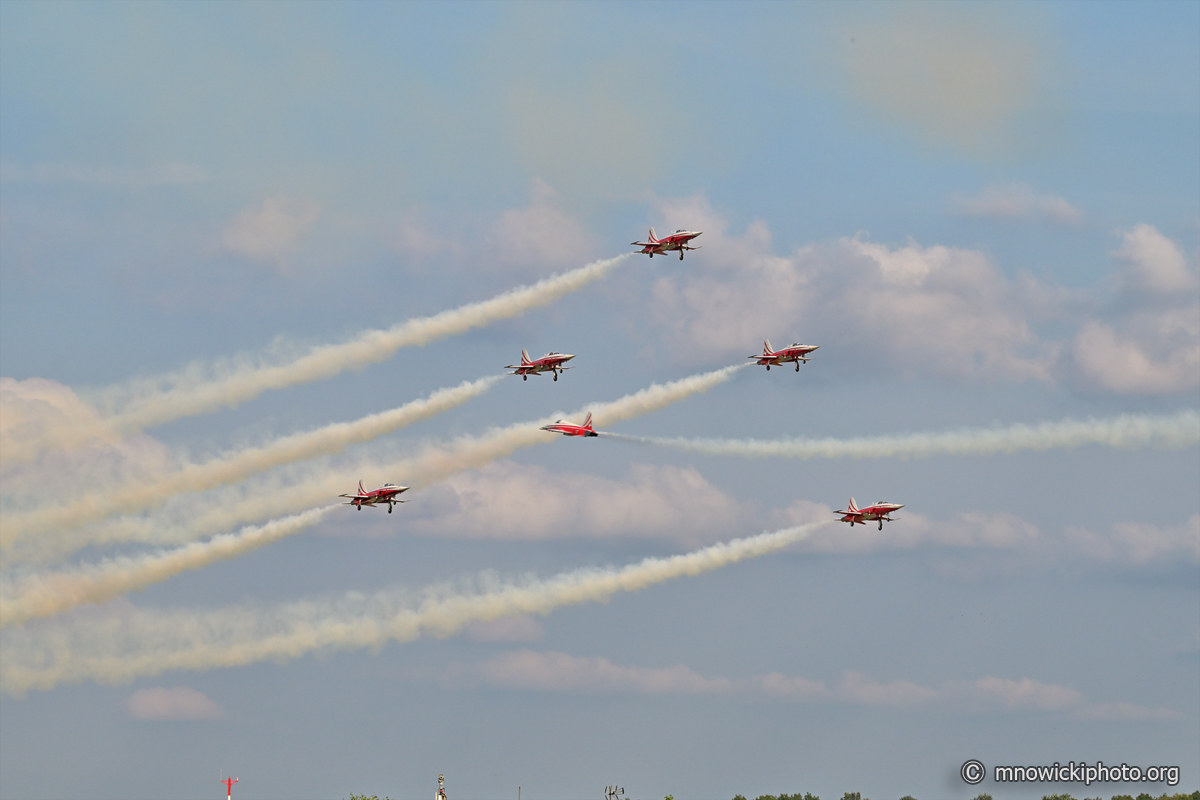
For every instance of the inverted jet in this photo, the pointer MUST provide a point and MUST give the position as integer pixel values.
(675, 241)
(570, 429)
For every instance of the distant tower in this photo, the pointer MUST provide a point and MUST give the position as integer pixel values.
(229, 782)
(441, 792)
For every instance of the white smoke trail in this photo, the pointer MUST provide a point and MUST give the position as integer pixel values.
(147, 643)
(195, 390)
(1125, 431)
(238, 466)
(49, 593)
(204, 517)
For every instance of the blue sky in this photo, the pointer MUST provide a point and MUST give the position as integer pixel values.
(986, 215)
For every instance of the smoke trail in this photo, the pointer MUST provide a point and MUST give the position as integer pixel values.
(1125, 431)
(47, 594)
(146, 643)
(240, 465)
(434, 463)
(194, 391)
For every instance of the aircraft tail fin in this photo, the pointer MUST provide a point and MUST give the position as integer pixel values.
(524, 356)
(587, 423)
(653, 238)
(767, 347)
(853, 505)
(361, 490)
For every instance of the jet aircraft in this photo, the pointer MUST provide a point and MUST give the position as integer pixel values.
(861, 516)
(570, 429)
(794, 353)
(384, 494)
(675, 241)
(551, 362)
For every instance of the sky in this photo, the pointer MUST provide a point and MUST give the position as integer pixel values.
(251, 254)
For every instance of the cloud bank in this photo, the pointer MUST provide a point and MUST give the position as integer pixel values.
(1017, 201)
(180, 703)
(528, 670)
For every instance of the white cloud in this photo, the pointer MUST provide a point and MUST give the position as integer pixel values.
(270, 230)
(538, 236)
(172, 704)
(1154, 263)
(528, 670)
(908, 309)
(1017, 201)
(1024, 695)
(559, 672)
(1150, 341)
(1139, 543)
(508, 501)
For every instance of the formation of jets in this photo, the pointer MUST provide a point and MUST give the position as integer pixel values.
(551, 362)
(676, 241)
(554, 363)
(384, 494)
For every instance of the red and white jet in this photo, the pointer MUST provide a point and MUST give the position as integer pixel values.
(861, 516)
(675, 241)
(551, 362)
(384, 494)
(570, 429)
(794, 353)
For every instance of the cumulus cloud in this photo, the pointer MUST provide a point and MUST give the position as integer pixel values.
(1140, 543)
(1153, 263)
(497, 502)
(908, 308)
(529, 670)
(1148, 340)
(538, 236)
(172, 704)
(271, 230)
(1017, 202)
